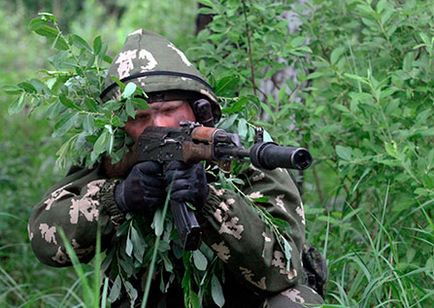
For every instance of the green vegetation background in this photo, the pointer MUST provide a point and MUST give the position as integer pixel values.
(366, 115)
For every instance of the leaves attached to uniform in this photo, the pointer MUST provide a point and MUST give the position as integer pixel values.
(68, 93)
(217, 292)
(200, 261)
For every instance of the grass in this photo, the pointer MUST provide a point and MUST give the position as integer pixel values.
(375, 258)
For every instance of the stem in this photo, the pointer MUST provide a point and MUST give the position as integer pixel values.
(318, 185)
(249, 49)
(154, 253)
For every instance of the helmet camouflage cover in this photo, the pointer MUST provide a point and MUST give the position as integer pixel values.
(156, 65)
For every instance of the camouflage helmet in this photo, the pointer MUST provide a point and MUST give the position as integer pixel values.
(157, 66)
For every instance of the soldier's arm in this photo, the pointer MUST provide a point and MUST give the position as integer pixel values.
(77, 205)
(244, 242)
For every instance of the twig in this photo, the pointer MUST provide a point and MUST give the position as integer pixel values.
(249, 49)
(318, 185)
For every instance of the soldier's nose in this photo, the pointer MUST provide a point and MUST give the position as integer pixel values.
(159, 120)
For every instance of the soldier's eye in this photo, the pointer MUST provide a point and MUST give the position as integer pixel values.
(169, 109)
(142, 116)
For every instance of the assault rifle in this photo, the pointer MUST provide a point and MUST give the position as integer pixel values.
(192, 143)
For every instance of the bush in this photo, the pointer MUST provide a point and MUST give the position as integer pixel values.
(362, 102)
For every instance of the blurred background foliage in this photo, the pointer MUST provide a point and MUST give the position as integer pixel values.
(350, 80)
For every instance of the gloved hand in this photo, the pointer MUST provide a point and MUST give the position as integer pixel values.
(189, 183)
(143, 190)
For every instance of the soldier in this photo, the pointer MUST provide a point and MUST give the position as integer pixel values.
(254, 264)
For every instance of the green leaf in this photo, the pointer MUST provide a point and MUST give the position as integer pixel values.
(217, 292)
(280, 223)
(140, 103)
(17, 105)
(287, 250)
(425, 39)
(53, 35)
(107, 59)
(208, 3)
(267, 137)
(242, 128)
(341, 108)
(129, 244)
(89, 123)
(132, 292)
(298, 41)
(97, 45)
(91, 104)
(129, 109)
(228, 122)
(407, 64)
(115, 290)
(65, 124)
(64, 152)
(386, 16)
(101, 144)
(36, 23)
(356, 77)
(158, 223)
(337, 54)
(317, 74)
(268, 110)
(28, 87)
(80, 43)
(237, 105)
(227, 86)
(391, 149)
(12, 89)
(39, 86)
(129, 90)
(344, 152)
(194, 300)
(381, 5)
(200, 261)
(68, 103)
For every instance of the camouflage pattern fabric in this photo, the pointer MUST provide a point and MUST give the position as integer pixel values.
(76, 205)
(232, 229)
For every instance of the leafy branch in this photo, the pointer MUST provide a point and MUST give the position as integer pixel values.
(68, 95)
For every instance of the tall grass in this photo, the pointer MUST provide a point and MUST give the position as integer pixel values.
(374, 259)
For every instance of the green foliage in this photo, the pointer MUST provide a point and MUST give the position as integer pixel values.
(379, 89)
(69, 95)
(368, 113)
(362, 102)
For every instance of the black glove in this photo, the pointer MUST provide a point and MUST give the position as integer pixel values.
(143, 190)
(189, 183)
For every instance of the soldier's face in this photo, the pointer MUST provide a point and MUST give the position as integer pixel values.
(163, 114)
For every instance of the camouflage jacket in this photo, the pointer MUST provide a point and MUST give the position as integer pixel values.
(232, 228)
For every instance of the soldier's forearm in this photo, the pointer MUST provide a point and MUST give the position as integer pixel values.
(244, 242)
(77, 208)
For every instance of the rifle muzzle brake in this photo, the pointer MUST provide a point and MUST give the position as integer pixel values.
(269, 155)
